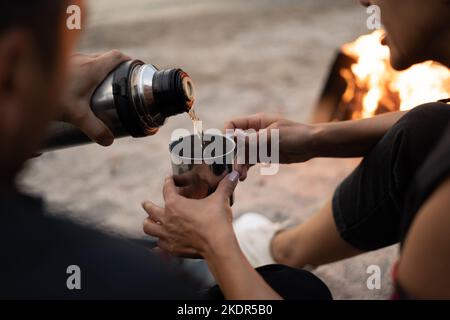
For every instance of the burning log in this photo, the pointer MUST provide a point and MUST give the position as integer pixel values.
(362, 83)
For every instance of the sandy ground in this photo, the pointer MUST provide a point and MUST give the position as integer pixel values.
(245, 57)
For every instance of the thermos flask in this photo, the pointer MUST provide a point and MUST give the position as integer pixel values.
(134, 100)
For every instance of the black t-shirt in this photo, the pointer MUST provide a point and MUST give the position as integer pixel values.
(36, 251)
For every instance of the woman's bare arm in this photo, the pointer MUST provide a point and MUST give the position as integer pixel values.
(353, 138)
(235, 276)
(425, 261)
(299, 142)
(192, 228)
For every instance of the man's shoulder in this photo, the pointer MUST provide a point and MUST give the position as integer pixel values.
(43, 251)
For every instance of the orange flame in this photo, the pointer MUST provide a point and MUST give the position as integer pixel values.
(385, 89)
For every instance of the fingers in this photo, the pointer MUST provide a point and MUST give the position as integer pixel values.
(242, 169)
(173, 250)
(95, 129)
(153, 229)
(227, 185)
(243, 123)
(83, 55)
(185, 179)
(88, 71)
(255, 121)
(170, 191)
(243, 176)
(106, 62)
(155, 212)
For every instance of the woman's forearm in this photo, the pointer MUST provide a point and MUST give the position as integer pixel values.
(236, 277)
(352, 138)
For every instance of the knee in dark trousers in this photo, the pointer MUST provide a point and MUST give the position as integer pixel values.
(369, 203)
(289, 283)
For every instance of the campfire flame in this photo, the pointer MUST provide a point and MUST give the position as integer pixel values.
(375, 87)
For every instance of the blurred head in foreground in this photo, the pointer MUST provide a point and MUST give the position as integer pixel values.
(416, 30)
(34, 49)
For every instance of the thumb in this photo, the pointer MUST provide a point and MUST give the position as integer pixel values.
(95, 129)
(227, 185)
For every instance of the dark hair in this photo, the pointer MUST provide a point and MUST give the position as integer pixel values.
(41, 17)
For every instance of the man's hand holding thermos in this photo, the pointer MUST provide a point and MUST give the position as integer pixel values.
(86, 72)
(109, 96)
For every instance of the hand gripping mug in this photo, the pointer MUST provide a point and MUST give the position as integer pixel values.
(198, 166)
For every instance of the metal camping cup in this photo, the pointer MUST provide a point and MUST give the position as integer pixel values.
(199, 167)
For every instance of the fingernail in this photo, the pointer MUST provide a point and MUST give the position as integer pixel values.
(234, 176)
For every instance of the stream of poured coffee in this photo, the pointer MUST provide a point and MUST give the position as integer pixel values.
(198, 128)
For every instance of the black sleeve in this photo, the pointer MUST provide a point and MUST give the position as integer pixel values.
(36, 251)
